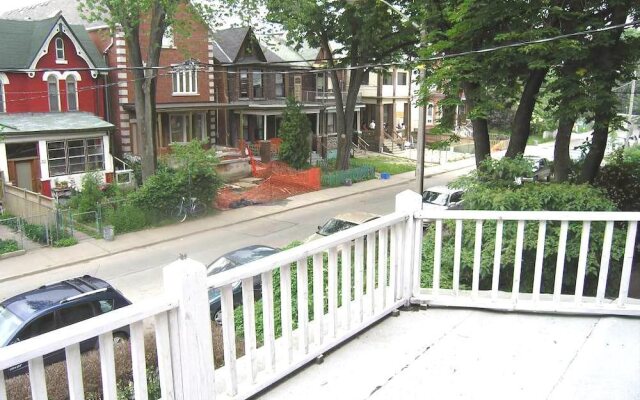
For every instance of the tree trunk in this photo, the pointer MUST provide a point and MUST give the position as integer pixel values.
(521, 127)
(596, 150)
(561, 159)
(481, 144)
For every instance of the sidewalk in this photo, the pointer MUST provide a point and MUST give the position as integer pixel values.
(46, 259)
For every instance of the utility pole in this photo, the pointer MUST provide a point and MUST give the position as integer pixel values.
(630, 111)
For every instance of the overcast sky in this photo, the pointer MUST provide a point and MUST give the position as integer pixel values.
(6, 5)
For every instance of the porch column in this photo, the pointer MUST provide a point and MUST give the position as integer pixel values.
(318, 123)
(358, 122)
(108, 158)
(4, 165)
(44, 160)
(264, 127)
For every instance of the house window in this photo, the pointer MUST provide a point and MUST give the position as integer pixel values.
(331, 122)
(430, 114)
(320, 86)
(60, 51)
(402, 79)
(178, 128)
(279, 84)
(72, 93)
(3, 101)
(75, 156)
(257, 83)
(244, 83)
(167, 38)
(200, 127)
(54, 95)
(365, 78)
(387, 78)
(185, 82)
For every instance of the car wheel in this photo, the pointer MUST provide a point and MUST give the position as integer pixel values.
(217, 317)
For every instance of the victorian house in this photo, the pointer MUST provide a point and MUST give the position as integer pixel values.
(52, 105)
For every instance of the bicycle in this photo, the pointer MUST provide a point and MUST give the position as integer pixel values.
(193, 208)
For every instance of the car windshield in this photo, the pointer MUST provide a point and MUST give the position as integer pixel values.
(220, 265)
(335, 225)
(437, 198)
(9, 322)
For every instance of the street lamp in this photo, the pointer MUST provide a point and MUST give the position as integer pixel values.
(422, 109)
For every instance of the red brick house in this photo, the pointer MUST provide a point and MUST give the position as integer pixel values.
(52, 104)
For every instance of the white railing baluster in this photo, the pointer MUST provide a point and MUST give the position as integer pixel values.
(370, 268)
(74, 372)
(628, 261)
(437, 255)
(383, 258)
(285, 309)
(582, 260)
(359, 277)
(37, 379)
(417, 259)
(562, 248)
(303, 305)
(477, 254)
(138, 361)
(163, 346)
(456, 257)
(107, 366)
(497, 258)
(229, 339)
(604, 262)
(517, 263)
(268, 321)
(249, 325)
(333, 291)
(537, 275)
(395, 271)
(318, 296)
(345, 252)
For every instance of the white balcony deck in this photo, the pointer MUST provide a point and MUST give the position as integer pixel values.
(445, 353)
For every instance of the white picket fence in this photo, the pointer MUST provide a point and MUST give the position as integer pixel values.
(355, 278)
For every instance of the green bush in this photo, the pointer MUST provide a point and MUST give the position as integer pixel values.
(620, 178)
(126, 218)
(36, 233)
(496, 173)
(295, 149)
(188, 172)
(8, 246)
(65, 242)
(535, 197)
(338, 178)
(86, 200)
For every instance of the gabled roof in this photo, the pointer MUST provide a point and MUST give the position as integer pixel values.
(228, 42)
(22, 41)
(49, 8)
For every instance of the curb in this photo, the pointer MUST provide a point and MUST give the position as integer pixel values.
(201, 230)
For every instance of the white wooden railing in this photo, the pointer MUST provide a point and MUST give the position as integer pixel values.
(309, 311)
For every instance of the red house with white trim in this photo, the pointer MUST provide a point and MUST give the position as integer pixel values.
(52, 105)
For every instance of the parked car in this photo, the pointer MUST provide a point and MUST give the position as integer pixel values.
(442, 198)
(229, 261)
(54, 306)
(341, 222)
(541, 168)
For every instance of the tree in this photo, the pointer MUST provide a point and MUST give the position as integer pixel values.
(351, 25)
(294, 132)
(128, 15)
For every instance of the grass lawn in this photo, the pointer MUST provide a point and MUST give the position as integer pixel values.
(383, 164)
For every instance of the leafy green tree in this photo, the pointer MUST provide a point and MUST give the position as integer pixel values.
(353, 34)
(295, 132)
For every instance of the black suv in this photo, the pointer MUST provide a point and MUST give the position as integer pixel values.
(54, 306)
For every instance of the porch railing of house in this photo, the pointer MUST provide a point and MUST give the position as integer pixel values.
(324, 97)
(315, 296)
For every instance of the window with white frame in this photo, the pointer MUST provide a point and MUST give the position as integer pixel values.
(60, 51)
(3, 98)
(257, 83)
(402, 79)
(178, 128)
(331, 122)
(387, 78)
(74, 156)
(72, 93)
(244, 83)
(279, 84)
(185, 82)
(430, 113)
(168, 38)
(54, 94)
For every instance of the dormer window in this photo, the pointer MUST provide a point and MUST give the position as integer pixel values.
(60, 51)
(54, 94)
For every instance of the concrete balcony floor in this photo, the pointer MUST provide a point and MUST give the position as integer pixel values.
(468, 354)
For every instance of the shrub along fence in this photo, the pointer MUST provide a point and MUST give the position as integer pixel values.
(339, 178)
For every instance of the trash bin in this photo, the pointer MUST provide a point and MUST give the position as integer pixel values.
(107, 232)
(385, 175)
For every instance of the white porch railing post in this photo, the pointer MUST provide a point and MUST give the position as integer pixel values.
(190, 330)
(409, 202)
